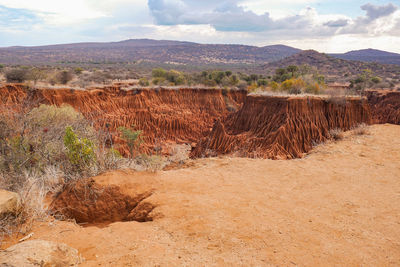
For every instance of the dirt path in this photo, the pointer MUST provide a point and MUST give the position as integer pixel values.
(338, 206)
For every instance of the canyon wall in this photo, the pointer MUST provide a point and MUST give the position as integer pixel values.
(281, 127)
(214, 122)
(165, 115)
(385, 106)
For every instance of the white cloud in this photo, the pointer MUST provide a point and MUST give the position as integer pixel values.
(256, 22)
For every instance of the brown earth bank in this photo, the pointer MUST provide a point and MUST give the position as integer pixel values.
(385, 106)
(334, 207)
(276, 127)
(164, 115)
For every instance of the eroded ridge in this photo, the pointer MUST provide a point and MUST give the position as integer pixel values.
(281, 127)
(165, 115)
(385, 106)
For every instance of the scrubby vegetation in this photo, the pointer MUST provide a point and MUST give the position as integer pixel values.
(292, 79)
(46, 147)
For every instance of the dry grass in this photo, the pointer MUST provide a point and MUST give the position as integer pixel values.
(361, 129)
(336, 134)
(32, 191)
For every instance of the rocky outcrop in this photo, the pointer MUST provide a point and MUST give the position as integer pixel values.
(39, 253)
(385, 106)
(10, 203)
(281, 127)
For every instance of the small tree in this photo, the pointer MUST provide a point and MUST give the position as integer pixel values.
(262, 82)
(159, 73)
(133, 139)
(36, 74)
(292, 69)
(228, 73)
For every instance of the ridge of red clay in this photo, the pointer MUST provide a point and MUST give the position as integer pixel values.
(385, 106)
(281, 127)
(216, 121)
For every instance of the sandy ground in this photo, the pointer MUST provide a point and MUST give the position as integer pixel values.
(338, 206)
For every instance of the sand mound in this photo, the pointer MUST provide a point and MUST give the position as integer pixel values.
(88, 202)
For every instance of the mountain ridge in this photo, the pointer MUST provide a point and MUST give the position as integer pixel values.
(171, 52)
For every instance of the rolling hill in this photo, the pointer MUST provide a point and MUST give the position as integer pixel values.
(335, 67)
(145, 50)
(371, 55)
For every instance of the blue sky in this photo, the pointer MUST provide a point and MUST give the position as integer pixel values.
(327, 26)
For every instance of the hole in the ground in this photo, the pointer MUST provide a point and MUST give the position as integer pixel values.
(90, 203)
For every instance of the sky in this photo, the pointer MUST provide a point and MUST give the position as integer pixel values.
(324, 25)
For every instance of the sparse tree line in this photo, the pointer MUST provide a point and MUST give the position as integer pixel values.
(291, 79)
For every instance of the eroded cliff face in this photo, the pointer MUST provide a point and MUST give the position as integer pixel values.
(213, 121)
(281, 127)
(385, 106)
(164, 115)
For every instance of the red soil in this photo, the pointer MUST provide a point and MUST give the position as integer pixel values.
(164, 115)
(266, 126)
(385, 106)
(88, 202)
(281, 127)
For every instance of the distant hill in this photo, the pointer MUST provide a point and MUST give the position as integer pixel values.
(148, 50)
(371, 55)
(339, 69)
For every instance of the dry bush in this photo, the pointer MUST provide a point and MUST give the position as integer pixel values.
(33, 140)
(152, 163)
(34, 158)
(16, 75)
(336, 134)
(179, 153)
(361, 129)
(32, 191)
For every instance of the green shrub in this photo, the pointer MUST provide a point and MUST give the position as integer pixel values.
(31, 142)
(133, 139)
(144, 82)
(80, 151)
(159, 73)
(262, 82)
(274, 86)
(175, 77)
(158, 81)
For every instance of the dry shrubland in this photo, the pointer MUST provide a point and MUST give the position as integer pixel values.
(46, 147)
